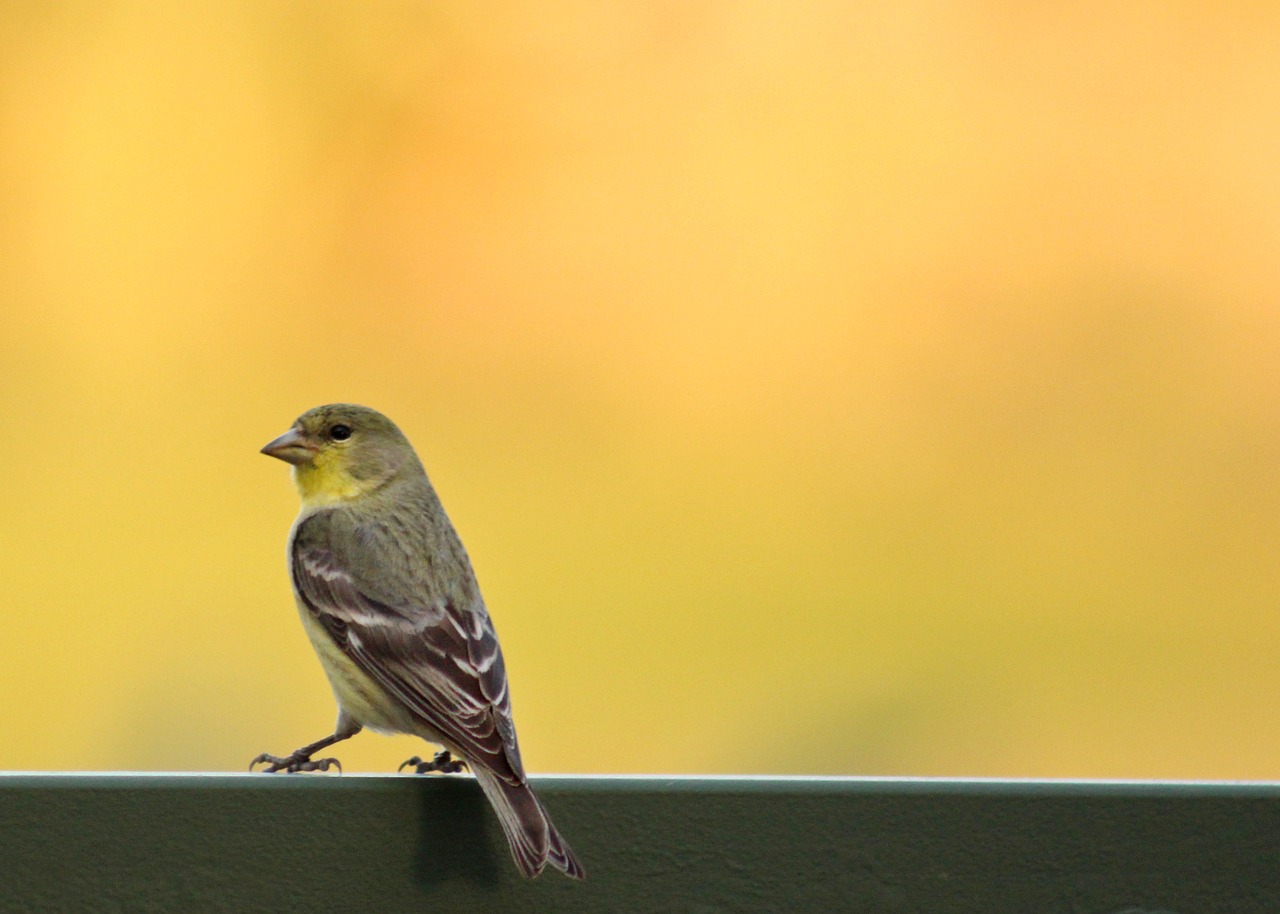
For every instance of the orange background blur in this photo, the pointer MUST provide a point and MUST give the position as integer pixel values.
(867, 388)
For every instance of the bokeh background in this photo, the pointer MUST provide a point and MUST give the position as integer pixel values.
(867, 388)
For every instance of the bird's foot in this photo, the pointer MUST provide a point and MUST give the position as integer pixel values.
(443, 761)
(294, 763)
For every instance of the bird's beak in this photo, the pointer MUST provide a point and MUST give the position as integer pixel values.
(291, 447)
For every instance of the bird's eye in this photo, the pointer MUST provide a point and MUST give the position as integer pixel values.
(340, 432)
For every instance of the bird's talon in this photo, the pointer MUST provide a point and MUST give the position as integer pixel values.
(293, 764)
(442, 762)
(274, 762)
(447, 763)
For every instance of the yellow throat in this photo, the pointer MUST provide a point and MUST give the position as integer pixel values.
(325, 481)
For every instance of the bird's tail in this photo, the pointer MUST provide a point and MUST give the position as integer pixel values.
(534, 840)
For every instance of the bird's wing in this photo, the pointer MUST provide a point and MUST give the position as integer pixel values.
(440, 661)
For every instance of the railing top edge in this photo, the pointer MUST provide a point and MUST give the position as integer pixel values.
(597, 783)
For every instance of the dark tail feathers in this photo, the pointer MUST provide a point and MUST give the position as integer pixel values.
(534, 840)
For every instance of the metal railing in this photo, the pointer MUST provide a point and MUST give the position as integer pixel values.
(217, 842)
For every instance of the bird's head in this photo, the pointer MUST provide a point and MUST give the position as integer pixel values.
(341, 451)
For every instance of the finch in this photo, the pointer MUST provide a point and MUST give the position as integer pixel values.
(391, 605)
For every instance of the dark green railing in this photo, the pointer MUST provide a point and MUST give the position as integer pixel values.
(211, 843)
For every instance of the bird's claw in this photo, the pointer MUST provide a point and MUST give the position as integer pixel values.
(292, 764)
(443, 762)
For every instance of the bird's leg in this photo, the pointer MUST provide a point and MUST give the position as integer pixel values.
(442, 761)
(301, 760)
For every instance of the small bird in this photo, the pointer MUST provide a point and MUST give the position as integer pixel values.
(391, 605)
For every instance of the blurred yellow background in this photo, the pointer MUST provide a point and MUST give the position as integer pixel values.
(866, 388)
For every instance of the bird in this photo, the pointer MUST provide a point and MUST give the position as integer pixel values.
(390, 603)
